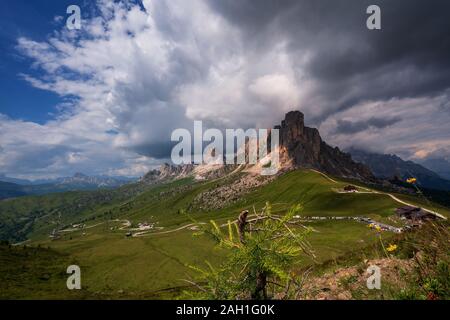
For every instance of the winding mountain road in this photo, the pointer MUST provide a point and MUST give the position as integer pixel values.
(387, 194)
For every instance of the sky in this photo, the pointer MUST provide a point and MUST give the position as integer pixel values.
(103, 100)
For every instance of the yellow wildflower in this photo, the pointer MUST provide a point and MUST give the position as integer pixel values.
(392, 248)
(411, 180)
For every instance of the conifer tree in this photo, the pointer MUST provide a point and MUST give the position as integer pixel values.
(261, 251)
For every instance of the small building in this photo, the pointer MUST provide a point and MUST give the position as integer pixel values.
(350, 188)
(55, 235)
(414, 214)
(145, 226)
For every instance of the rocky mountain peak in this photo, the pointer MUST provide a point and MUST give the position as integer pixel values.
(293, 125)
(303, 147)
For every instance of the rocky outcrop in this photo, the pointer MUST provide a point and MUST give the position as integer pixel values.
(225, 194)
(303, 147)
(168, 172)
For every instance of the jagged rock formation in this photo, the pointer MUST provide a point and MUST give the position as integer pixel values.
(168, 172)
(303, 147)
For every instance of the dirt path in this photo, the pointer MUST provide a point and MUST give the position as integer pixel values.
(324, 175)
(142, 234)
(150, 233)
(79, 229)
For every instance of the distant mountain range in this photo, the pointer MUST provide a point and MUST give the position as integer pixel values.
(80, 180)
(439, 165)
(24, 182)
(77, 178)
(11, 187)
(388, 166)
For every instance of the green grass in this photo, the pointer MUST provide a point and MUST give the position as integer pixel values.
(34, 273)
(142, 264)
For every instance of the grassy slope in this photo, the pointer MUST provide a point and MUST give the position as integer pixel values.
(34, 216)
(316, 194)
(34, 273)
(144, 266)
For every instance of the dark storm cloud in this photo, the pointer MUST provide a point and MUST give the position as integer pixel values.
(156, 150)
(349, 127)
(409, 57)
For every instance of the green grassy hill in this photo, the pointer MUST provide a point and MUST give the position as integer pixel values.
(154, 264)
